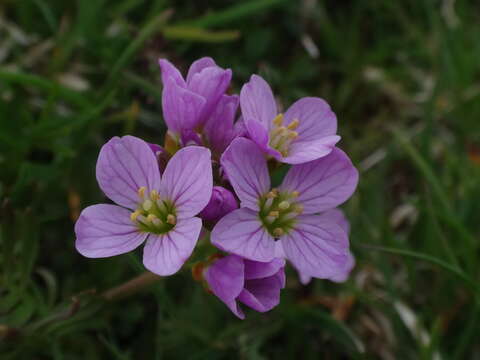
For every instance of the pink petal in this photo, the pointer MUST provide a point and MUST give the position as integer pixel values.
(170, 71)
(345, 272)
(259, 270)
(106, 230)
(316, 246)
(304, 151)
(262, 294)
(225, 279)
(165, 254)
(258, 133)
(324, 183)
(247, 171)
(315, 116)
(211, 83)
(124, 165)
(241, 233)
(181, 107)
(219, 128)
(187, 180)
(198, 66)
(257, 102)
(339, 218)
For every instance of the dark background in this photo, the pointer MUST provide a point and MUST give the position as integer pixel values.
(404, 80)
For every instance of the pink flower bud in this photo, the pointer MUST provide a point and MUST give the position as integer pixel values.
(221, 203)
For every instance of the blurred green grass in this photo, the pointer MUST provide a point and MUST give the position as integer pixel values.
(404, 81)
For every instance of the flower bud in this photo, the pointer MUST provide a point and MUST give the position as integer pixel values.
(221, 203)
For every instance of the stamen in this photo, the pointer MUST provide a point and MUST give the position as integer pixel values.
(154, 195)
(141, 191)
(298, 208)
(143, 219)
(134, 215)
(161, 206)
(293, 135)
(278, 120)
(295, 194)
(277, 232)
(147, 205)
(293, 125)
(270, 219)
(271, 195)
(268, 203)
(171, 219)
(284, 205)
(274, 214)
(150, 217)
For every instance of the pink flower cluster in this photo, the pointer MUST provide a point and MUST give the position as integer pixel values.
(213, 178)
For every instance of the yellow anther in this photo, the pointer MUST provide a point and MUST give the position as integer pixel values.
(284, 205)
(171, 219)
(295, 194)
(274, 214)
(275, 191)
(147, 204)
(141, 191)
(293, 135)
(272, 195)
(277, 232)
(278, 120)
(133, 215)
(151, 217)
(298, 208)
(293, 125)
(154, 195)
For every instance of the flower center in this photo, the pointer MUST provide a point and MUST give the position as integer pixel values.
(278, 211)
(153, 214)
(282, 136)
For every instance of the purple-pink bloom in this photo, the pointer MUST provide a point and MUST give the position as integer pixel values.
(255, 284)
(338, 216)
(221, 203)
(188, 103)
(306, 132)
(153, 208)
(314, 243)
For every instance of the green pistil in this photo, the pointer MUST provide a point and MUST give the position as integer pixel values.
(153, 214)
(278, 211)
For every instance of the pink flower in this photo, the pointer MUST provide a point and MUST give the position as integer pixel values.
(255, 284)
(306, 132)
(315, 244)
(153, 208)
(188, 104)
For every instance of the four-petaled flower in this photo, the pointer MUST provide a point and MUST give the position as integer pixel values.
(255, 284)
(155, 208)
(306, 132)
(314, 243)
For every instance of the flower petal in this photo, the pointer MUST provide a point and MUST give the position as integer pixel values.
(339, 217)
(187, 180)
(259, 270)
(124, 165)
(225, 279)
(165, 254)
(170, 71)
(304, 151)
(247, 171)
(106, 230)
(316, 119)
(198, 66)
(181, 107)
(262, 294)
(258, 133)
(219, 128)
(324, 183)
(210, 83)
(257, 102)
(241, 233)
(343, 275)
(317, 246)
